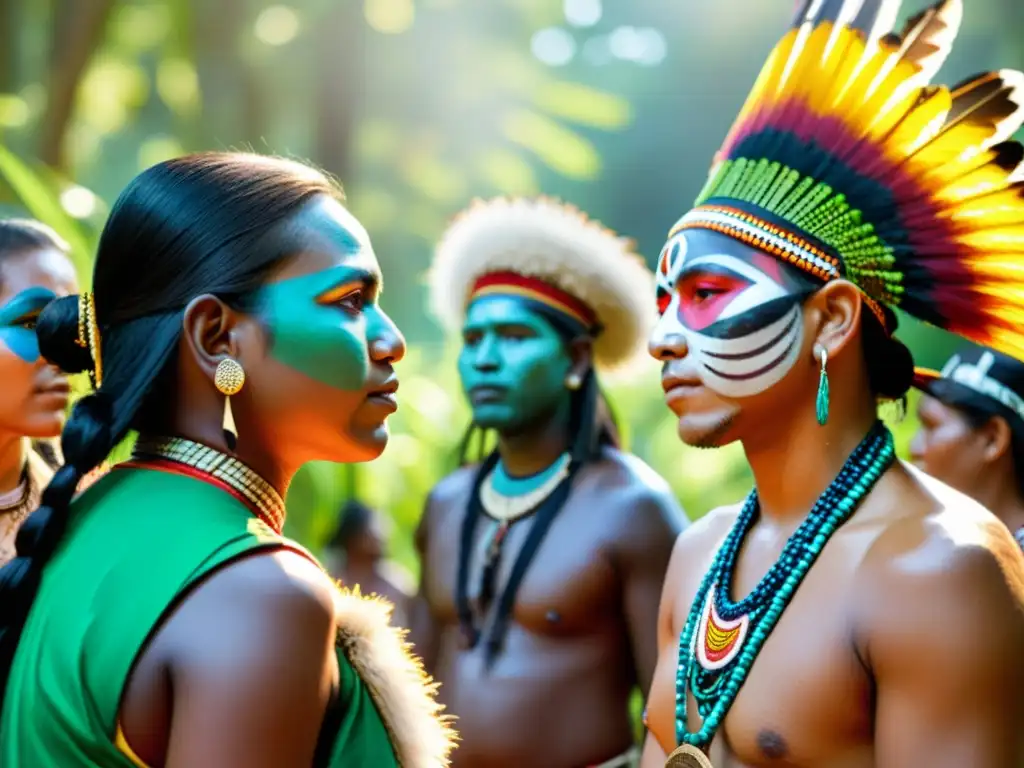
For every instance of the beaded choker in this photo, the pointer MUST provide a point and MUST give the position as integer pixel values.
(503, 509)
(722, 638)
(177, 454)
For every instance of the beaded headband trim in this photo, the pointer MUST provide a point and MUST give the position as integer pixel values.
(763, 235)
(89, 335)
(779, 241)
(513, 284)
(973, 376)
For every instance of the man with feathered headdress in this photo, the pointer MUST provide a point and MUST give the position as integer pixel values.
(853, 611)
(542, 561)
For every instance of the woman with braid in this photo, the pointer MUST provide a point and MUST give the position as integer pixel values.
(34, 269)
(852, 611)
(160, 618)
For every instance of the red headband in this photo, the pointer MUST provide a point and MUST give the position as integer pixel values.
(514, 284)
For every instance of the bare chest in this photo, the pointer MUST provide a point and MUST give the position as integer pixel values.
(569, 584)
(806, 698)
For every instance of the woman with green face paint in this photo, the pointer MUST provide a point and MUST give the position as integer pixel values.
(34, 270)
(161, 618)
(551, 583)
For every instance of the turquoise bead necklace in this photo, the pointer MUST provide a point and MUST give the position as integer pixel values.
(721, 638)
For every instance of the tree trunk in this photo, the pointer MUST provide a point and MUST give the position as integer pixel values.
(78, 27)
(340, 73)
(233, 100)
(9, 47)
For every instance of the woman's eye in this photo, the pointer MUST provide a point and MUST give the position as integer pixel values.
(352, 302)
(28, 323)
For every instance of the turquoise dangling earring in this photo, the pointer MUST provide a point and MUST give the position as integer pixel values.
(821, 401)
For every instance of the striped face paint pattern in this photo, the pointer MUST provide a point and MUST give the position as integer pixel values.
(740, 314)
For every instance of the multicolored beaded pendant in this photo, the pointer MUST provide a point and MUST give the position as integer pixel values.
(722, 638)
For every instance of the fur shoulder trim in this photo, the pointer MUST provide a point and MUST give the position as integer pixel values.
(549, 240)
(403, 692)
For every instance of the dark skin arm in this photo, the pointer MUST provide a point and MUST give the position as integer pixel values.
(252, 665)
(945, 648)
(643, 550)
(423, 629)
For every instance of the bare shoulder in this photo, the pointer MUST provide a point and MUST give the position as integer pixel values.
(446, 498)
(697, 544)
(636, 495)
(945, 562)
(453, 486)
(281, 597)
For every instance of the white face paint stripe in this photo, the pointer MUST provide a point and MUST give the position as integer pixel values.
(739, 366)
(750, 346)
(743, 377)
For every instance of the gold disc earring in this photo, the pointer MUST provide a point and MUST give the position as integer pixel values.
(228, 379)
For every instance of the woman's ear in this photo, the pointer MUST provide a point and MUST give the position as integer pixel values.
(209, 332)
(997, 437)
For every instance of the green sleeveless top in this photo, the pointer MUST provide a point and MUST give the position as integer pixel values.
(136, 540)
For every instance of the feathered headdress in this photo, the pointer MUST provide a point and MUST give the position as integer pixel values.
(847, 162)
(552, 253)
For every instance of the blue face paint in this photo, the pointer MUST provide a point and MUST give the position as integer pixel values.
(18, 322)
(321, 324)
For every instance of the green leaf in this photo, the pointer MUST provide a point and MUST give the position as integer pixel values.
(558, 147)
(584, 105)
(43, 202)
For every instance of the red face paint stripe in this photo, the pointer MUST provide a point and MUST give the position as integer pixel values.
(512, 284)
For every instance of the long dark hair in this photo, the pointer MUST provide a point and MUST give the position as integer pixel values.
(591, 428)
(18, 236)
(208, 223)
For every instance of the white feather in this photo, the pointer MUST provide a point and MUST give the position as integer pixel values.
(546, 239)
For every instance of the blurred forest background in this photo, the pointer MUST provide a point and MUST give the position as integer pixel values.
(417, 106)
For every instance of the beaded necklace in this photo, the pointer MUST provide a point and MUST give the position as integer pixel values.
(198, 460)
(721, 638)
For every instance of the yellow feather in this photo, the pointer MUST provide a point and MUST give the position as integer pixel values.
(969, 161)
(949, 144)
(919, 125)
(858, 88)
(856, 53)
(981, 181)
(998, 209)
(837, 55)
(805, 78)
(1004, 240)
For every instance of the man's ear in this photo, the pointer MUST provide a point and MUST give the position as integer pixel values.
(835, 310)
(581, 355)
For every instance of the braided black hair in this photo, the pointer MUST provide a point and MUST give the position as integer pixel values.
(207, 223)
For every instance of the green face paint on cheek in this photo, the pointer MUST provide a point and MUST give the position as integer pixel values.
(512, 349)
(325, 342)
(14, 316)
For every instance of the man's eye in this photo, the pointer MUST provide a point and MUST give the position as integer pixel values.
(703, 294)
